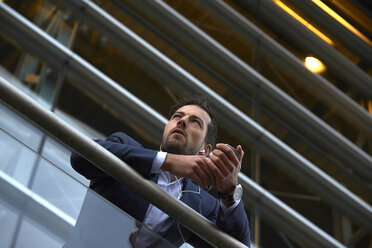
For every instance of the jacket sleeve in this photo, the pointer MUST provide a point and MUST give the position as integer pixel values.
(235, 224)
(122, 146)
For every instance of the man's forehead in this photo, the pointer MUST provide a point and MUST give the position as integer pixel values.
(196, 111)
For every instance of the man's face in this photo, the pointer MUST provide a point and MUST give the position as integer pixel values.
(186, 130)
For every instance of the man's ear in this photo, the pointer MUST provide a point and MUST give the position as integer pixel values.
(207, 148)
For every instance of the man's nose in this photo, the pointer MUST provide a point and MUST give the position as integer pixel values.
(182, 121)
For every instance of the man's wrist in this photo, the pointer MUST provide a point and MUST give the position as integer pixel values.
(233, 196)
(227, 203)
(168, 161)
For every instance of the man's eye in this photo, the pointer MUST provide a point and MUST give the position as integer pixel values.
(197, 122)
(176, 117)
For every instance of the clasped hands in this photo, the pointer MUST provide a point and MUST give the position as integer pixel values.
(219, 170)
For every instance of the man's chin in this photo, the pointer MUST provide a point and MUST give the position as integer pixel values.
(175, 147)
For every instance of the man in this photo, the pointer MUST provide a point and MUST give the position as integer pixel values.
(182, 168)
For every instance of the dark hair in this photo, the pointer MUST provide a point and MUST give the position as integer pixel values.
(202, 102)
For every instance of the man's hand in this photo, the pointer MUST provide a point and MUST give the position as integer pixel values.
(190, 166)
(225, 167)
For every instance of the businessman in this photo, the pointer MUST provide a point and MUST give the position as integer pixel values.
(185, 165)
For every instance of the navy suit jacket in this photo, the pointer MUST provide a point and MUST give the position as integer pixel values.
(141, 159)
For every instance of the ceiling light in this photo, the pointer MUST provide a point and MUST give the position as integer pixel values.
(314, 65)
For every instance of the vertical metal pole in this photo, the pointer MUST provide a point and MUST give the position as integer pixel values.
(256, 162)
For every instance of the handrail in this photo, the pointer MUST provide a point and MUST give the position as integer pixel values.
(302, 230)
(113, 166)
(331, 191)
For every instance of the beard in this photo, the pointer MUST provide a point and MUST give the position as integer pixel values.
(175, 146)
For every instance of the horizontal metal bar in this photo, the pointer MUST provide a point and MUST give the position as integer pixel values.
(112, 165)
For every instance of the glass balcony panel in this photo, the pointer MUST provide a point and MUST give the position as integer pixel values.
(17, 159)
(20, 129)
(31, 234)
(110, 228)
(58, 188)
(59, 156)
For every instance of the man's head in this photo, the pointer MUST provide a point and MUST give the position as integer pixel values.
(192, 127)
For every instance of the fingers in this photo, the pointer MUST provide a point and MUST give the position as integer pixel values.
(230, 154)
(211, 168)
(241, 152)
(204, 172)
(222, 162)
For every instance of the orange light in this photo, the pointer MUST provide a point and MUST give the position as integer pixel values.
(303, 21)
(341, 20)
(314, 65)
